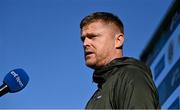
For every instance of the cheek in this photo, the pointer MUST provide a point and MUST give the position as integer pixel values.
(103, 46)
(106, 45)
(101, 51)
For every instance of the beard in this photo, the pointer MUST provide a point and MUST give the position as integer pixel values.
(95, 61)
(91, 60)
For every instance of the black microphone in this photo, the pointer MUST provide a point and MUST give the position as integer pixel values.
(14, 81)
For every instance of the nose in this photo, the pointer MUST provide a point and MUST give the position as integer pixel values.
(86, 42)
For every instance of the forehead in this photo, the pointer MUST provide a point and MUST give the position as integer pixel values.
(95, 26)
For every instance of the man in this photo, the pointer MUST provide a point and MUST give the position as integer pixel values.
(123, 82)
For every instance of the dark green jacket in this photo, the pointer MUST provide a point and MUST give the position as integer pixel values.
(125, 83)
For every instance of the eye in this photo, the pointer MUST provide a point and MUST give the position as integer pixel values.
(92, 37)
(82, 38)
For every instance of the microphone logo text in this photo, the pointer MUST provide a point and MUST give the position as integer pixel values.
(16, 76)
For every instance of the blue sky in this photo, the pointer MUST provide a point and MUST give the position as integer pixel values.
(43, 37)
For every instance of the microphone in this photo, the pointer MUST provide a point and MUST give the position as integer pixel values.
(14, 81)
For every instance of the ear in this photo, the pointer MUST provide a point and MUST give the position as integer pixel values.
(119, 40)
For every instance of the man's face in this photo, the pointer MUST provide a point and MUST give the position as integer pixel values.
(99, 43)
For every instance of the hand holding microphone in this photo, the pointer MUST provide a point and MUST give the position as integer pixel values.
(14, 81)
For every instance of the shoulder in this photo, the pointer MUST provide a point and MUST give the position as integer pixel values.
(132, 68)
(131, 72)
(134, 76)
(132, 79)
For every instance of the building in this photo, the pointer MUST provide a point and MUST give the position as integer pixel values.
(162, 54)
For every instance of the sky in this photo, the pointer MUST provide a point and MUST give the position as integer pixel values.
(43, 38)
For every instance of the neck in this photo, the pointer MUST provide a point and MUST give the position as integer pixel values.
(116, 55)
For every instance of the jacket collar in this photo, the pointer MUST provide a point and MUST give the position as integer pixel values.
(101, 75)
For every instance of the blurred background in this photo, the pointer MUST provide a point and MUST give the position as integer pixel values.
(43, 38)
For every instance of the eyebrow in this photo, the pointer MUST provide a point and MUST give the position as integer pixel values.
(90, 34)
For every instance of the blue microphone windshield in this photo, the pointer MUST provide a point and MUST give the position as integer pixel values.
(16, 80)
